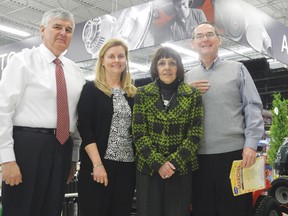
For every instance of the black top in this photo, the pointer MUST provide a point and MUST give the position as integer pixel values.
(167, 90)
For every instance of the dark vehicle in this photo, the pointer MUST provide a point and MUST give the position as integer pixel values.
(279, 187)
(265, 205)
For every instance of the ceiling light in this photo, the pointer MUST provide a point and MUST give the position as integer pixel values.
(186, 61)
(274, 64)
(134, 67)
(233, 52)
(14, 31)
(181, 50)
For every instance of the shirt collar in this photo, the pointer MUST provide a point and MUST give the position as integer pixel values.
(215, 63)
(49, 55)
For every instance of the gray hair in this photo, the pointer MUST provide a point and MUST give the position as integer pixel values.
(58, 13)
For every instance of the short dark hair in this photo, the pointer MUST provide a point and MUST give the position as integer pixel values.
(166, 52)
(202, 23)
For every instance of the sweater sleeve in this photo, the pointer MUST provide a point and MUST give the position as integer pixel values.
(85, 113)
(252, 109)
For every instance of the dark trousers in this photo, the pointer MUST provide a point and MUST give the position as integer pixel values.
(44, 165)
(212, 193)
(114, 200)
(163, 197)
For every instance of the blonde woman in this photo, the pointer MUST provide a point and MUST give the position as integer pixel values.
(107, 174)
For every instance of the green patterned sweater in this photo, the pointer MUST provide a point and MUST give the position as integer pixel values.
(161, 136)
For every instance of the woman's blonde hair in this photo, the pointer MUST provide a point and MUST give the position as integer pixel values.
(100, 80)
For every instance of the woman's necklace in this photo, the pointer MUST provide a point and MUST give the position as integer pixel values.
(167, 102)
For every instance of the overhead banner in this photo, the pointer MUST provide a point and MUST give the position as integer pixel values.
(160, 21)
(139, 26)
(147, 24)
(250, 27)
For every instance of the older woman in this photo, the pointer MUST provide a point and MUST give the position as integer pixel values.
(107, 173)
(167, 129)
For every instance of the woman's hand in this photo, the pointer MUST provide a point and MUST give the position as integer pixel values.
(166, 170)
(100, 175)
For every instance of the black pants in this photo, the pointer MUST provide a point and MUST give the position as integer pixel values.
(44, 165)
(212, 193)
(163, 197)
(114, 200)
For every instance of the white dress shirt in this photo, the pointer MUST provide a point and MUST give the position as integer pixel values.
(28, 96)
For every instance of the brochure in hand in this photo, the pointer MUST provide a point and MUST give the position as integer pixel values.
(245, 180)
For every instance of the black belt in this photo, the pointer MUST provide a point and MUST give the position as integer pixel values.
(50, 131)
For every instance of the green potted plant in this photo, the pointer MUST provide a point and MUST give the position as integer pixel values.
(279, 126)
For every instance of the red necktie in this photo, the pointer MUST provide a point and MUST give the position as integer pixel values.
(62, 130)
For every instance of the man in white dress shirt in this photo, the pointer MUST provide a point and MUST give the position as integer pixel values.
(35, 166)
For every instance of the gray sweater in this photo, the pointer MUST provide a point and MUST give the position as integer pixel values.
(232, 108)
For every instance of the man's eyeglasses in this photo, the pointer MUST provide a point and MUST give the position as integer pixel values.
(208, 35)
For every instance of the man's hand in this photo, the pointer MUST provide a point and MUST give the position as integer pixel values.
(11, 174)
(249, 157)
(202, 85)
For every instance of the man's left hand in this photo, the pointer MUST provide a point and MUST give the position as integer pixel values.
(249, 157)
(72, 172)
